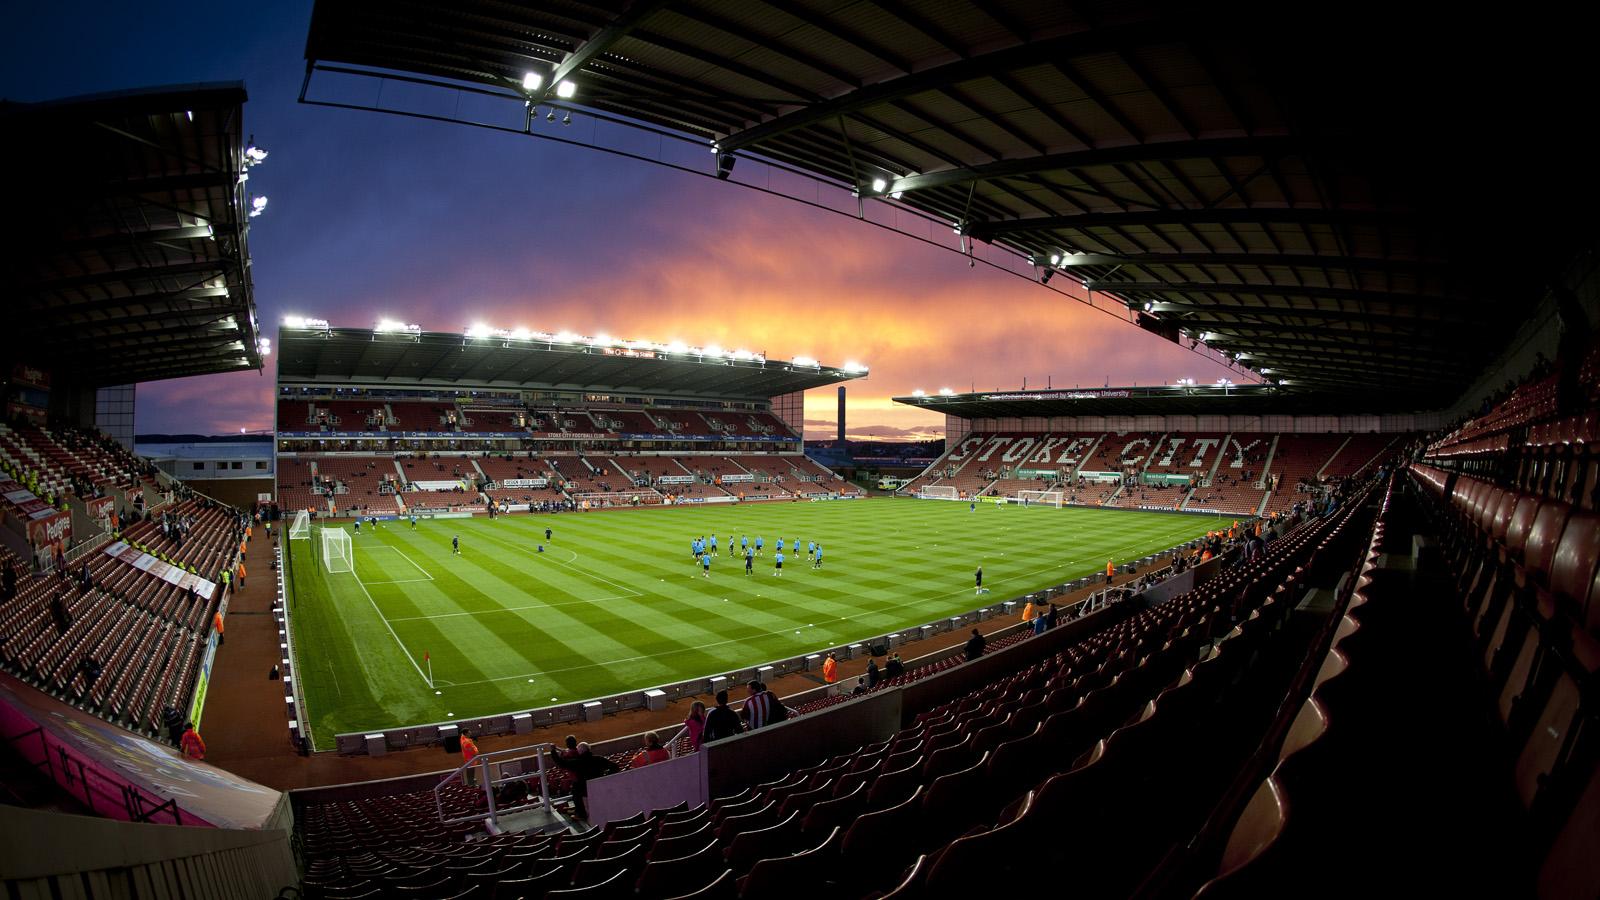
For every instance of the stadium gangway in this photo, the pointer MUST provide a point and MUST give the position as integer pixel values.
(489, 766)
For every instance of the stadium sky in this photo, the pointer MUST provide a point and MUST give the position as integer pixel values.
(374, 215)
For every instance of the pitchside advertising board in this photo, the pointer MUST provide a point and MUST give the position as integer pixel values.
(737, 477)
(675, 479)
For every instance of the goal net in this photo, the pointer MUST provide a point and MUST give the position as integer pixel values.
(338, 554)
(1036, 498)
(940, 492)
(301, 528)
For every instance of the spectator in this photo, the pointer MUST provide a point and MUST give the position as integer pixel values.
(763, 707)
(1040, 623)
(861, 686)
(830, 669)
(172, 720)
(695, 724)
(190, 742)
(469, 752)
(721, 721)
(894, 668)
(872, 674)
(59, 612)
(216, 622)
(1050, 617)
(91, 671)
(975, 645)
(584, 765)
(653, 752)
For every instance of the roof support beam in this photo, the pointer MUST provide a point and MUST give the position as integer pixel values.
(1296, 260)
(1254, 314)
(598, 43)
(1270, 290)
(1107, 156)
(150, 273)
(1263, 216)
(151, 236)
(956, 72)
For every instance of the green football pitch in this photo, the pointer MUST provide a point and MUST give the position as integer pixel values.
(616, 601)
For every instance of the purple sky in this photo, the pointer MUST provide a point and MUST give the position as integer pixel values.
(375, 215)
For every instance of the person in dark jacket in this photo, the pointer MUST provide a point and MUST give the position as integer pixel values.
(872, 674)
(721, 721)
(975, 646)
(172, 720)
(894, 668)
(584, 765)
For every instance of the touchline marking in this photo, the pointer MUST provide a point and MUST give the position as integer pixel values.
(546, 554)
(744, 639)
(425, 573)
(360, 584)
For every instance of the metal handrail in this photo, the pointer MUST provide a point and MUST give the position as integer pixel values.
(488, 782)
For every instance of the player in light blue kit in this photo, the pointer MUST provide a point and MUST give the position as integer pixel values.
(778, 570)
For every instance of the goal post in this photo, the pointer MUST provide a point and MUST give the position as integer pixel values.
(939, 492)
(1036, 498)
(300, 529)
(338, 552)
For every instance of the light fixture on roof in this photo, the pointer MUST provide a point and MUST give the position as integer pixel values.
(677, 347)
(479, 330)
(386, 326)
(190, 114)
(264, 346)
(946, 392)
(897, 195)
(253, 155)
(853, 368)
(712, 350)
(521, 334)
(919, 392)
(258, 206)
(1187, 382)
(806, 362)
(1224, 382)
(551, 115)
(878, 185)
(566, 118)
(1055, 259)
(531, 81)
(566, 89)
(1148, 306)
(565, 337)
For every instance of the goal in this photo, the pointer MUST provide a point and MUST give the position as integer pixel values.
(301, 528)
(338, 554)
(1035, 498)
(940, 492)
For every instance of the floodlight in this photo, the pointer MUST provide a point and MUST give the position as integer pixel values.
(521, 334)
(479, 330)
(897, 195)
(1148, 306)
(190, 114)
(531, 81)
(1223, 382)
(601, 338)
(919, 392)
(677, 347)
(566, 89)
(566, 118)
(566, 337)
(388, 325)
(743, 355)
(258, 206)
(806, 361)
(1055, 259)
(878, 184)
(946, 392)
(854, 368)
(294, 322)
(712, 350)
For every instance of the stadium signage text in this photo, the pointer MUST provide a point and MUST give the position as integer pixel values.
(675, 479)
(737, 477)
(524, 482)
(1064, 395)
(144, 562)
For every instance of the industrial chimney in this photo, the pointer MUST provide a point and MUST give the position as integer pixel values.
(841, 417)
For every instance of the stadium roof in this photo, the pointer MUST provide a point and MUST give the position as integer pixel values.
(1165, 400)
(1319, 196)
(368, 358)
(125, 218)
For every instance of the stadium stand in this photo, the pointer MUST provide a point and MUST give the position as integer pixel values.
(353, 482)
(418, 416)
(991, 768)
(482, 419)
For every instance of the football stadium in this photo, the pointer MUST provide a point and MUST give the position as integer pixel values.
(1115, 455)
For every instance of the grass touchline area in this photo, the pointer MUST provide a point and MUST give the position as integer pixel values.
(615, 601)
